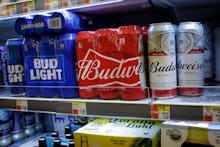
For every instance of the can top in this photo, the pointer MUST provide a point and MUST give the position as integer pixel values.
(189, 25)
(161, 27)
(14, 41)
(160, 23)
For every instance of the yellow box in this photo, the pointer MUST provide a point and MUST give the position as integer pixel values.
(190, 134)
(106, 132)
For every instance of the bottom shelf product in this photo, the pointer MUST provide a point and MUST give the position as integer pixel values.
(107, 132)
(190, 134)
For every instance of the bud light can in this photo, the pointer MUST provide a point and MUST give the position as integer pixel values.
(23, 26)
(39, 122)
(40, 24)
(190, 56)
(17, 127)
(15, 66)
(31, 53)
(29, 124)
(66, 55)
(162, 60)
(4, 64)
(5, 128)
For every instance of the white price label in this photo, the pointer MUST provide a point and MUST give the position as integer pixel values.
(211, 113)
(79, 108)
(160, 112)
(21, 105)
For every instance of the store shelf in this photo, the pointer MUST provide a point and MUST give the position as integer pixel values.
(181, 108)
(102, 7)
(11, 3)
(94, 107)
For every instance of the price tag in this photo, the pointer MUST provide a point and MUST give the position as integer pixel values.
(79, 108)
(21, 105)
(211, 113)
(160, 112)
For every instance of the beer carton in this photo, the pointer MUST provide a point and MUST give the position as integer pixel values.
(190, 134)
(107, 132)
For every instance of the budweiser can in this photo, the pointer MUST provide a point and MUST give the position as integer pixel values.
(208, 49)
(162, 60)
(131, 46)
(107, 52)
(190, 58)
(85, 43)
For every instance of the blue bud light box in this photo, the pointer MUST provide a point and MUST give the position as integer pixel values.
(51, 65)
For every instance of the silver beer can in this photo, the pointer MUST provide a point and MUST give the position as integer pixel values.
(208, 54)
(190, 58)
(162, 60)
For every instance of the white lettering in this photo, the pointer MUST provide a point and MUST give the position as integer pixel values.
(90, 70)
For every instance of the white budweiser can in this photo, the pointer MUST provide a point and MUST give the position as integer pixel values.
(162, 60)
(190, 58)
(208, 49)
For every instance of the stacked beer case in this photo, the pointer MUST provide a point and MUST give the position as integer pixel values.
(115, 132)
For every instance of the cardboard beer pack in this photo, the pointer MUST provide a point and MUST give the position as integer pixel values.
(190, 134)
(116, 132)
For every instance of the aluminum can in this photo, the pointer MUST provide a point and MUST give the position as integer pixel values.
(208, 54)
(23, 26)
(162, 60)
(107, 45)
(132, 49)
(5, 128)
(29, 124)
(17, 128)
(15, 66)
(190, 58)
(39, 24)
(85, 41)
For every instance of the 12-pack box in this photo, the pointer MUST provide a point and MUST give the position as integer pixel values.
(190, 134)
(107, 132)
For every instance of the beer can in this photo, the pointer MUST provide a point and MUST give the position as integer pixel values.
(208, 51)
(85, 40)
(39, 24)
(17, 133)
(190, 58)
(15, 66)
(162, 60)
(23, 26)
(5, 128)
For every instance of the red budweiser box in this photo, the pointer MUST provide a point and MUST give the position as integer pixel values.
(111, 63)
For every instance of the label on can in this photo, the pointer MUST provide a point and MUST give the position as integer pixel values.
(15, 73)
(191, 69)
(162, 71)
